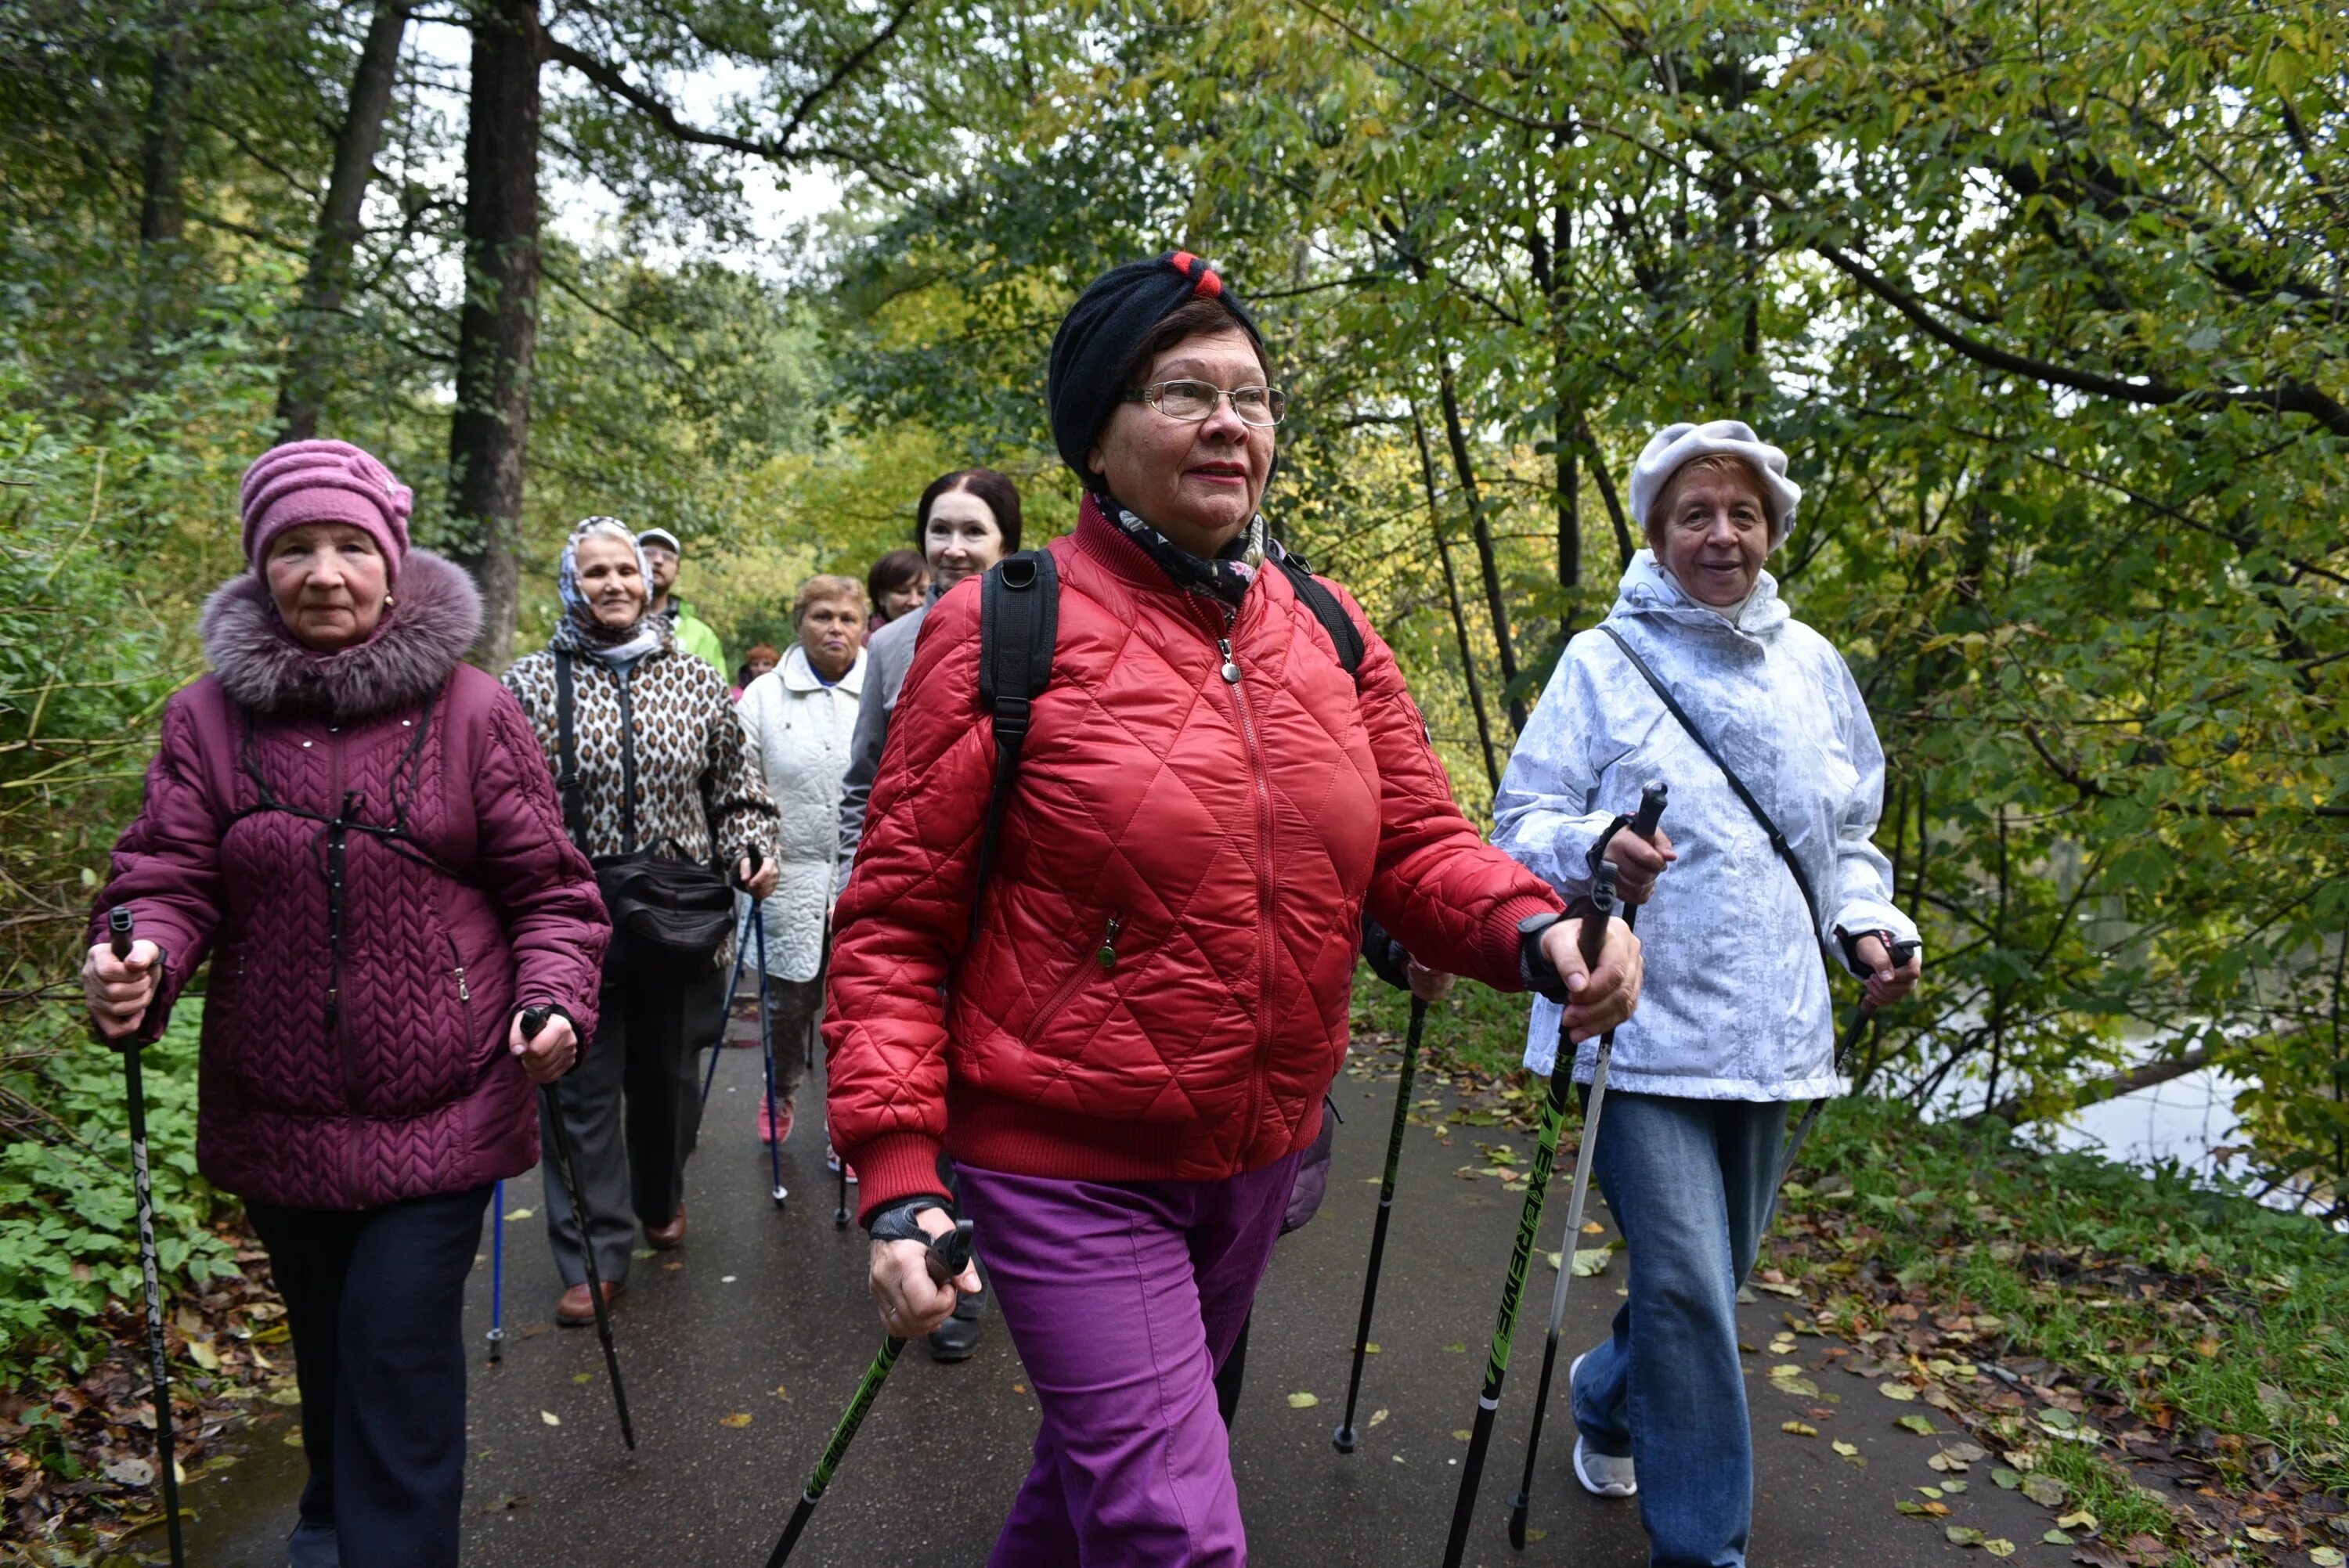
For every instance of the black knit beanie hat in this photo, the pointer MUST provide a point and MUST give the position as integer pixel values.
(1102, 331)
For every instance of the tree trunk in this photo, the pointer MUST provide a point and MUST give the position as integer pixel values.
(1459, 617)
(1623, 547)
(1495, 604)
(163, 144)
(497, 331)
(317, 324)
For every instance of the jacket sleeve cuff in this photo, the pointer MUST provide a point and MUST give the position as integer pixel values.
(1505, 950)
(893, 1166)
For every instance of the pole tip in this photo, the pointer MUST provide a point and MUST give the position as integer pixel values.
(1342, 1439)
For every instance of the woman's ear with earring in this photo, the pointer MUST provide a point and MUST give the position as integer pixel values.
(388, 601)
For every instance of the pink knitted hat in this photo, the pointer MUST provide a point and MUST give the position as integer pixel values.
(324, 482)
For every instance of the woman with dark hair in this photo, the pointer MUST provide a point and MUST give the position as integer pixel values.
(354, 825)
(965, 521)
(898, 585)
(1125, 1039)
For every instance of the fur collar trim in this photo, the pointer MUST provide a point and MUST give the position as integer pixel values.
(435, 617)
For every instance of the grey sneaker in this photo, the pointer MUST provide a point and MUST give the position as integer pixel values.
(1601, 1475)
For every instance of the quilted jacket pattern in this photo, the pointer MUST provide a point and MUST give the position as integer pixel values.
(352, 1062)
(697, 779)
(1160, 979)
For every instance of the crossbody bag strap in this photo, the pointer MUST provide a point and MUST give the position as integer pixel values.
(566, 757)
(1736, 785)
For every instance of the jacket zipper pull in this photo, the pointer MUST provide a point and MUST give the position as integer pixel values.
(1107, 955)
(462, 994)
(1231, 667)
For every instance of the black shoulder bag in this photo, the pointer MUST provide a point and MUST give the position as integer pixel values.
(669, 914)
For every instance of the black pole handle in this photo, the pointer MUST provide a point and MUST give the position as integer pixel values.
(1602, 910)
(1651, 809)
(534, 1019)
(949, 1254)
(758, 857)
(119, 926)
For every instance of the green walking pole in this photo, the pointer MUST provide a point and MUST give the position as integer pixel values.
(949, 1254)
(1343, 1438)
(1496, 1361)
(1651, 811)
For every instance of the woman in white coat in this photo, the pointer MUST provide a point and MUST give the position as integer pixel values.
(1738, 1020)
(800, 717)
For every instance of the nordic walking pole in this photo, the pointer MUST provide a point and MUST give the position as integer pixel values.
(1342, 1439)
(767, 1047)
(533, 1020)
(718, 1047)
(497, 1334)
(949, 1254)
(1496, 1361)
(118, 930)
(1651, 811)
(1899, 952)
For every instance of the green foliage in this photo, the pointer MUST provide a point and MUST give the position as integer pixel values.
(68, 1215)
(2043, 301)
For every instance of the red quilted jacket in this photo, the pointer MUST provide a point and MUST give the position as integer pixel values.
(346, 1074)
(1160, 980)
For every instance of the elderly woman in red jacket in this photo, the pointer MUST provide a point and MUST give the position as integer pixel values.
(1125, 1052)
(356, 828)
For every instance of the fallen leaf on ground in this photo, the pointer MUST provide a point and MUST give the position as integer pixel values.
(1459, 1434)
(739, 1418)
(1920, 1425)
(1303, 1401)
(1376, 1416)
(2043, 1489)
(518, 1214)
(1963, 1536)
(1799, 1428)
(2081, 1519)
(1999, 1546)
(1901, 1391)
(1590, 1262)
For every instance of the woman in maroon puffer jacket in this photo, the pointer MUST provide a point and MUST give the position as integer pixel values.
(1126, 1052)
(358, 829)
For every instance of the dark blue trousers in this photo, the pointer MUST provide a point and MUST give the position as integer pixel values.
(375, 1302)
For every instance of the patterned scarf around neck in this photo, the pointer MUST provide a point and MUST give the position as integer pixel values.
(1226, 577)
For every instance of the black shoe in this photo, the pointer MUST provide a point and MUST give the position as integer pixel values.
(958, 1337)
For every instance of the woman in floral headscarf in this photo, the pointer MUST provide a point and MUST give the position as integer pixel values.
(661, 757)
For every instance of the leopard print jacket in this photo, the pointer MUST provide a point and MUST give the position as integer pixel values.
(697, 779)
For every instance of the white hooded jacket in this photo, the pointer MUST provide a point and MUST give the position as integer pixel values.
(800, 730)
(1736, 1004)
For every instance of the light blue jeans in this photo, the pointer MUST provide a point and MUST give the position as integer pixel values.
(1689, 1182)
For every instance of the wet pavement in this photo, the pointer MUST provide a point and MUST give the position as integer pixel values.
(740, 1349)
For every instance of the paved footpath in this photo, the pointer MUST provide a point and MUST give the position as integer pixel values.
(740, 1349)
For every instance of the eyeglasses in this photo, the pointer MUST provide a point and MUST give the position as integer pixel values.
(1192, 401)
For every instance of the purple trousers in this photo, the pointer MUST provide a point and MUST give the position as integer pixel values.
(1123, 1298)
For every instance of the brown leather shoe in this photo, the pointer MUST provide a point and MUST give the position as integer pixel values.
(576, 1311)
(665, 1238)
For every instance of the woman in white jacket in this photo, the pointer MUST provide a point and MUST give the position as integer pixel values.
(800, 717)
(1737, 1021)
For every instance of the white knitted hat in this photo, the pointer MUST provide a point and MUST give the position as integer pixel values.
(1675, 445)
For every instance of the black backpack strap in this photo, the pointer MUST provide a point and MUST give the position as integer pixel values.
(1019, 628)
(1736, 785)
(567, 755)
(1344, 635)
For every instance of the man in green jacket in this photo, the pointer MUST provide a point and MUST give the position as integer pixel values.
(662, 553)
